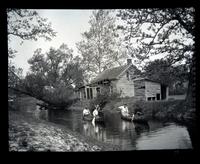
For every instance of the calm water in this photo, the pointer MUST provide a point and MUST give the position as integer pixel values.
(127, 135)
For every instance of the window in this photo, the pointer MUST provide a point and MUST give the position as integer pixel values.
(158, 96)
(91, 93)
(88, 93)
(151, 98)
(84, 94)
(98, 90)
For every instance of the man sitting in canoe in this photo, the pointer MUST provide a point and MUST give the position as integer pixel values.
(95, 112)
(86, 111)
(124, 110)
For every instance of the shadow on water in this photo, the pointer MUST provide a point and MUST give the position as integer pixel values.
(128, 135)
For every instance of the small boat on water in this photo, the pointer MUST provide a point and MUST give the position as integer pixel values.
(98, 119)
(136, 118)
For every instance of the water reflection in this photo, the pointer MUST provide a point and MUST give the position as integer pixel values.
(128, 135)
(126, 125)
(169, 137)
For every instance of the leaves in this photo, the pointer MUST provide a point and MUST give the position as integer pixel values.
(28, 25)
(154, 29)
(100, 47)
(164, 71)
(56, 69)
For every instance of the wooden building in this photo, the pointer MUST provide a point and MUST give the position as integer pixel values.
(126, 81)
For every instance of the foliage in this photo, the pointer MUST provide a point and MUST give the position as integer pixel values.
(100, 47)
(167, 31)
(158, 31)
(137, 106)
(163, 71)
(14, 75)
(177, 110)
(53, 75)
(102, 99)
(28, 25)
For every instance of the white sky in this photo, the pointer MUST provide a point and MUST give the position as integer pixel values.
(69, 24)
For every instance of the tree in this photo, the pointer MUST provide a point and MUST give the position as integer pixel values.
(154, 31)
(54, 75)
(163, 71)
(159, 70)
(100, 47)
(26, 25)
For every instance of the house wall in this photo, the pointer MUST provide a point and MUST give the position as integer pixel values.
(125, 86)
(152, 89)
(83, 94)
(114, 86)
(139, 88)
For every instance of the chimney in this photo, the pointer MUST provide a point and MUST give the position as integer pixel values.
(129, 61)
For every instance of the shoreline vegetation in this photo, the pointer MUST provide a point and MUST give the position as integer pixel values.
(27, 133)
(175, 110)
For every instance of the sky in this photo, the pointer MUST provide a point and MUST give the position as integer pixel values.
(69, 24)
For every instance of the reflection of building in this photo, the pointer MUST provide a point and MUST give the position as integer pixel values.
(126, 81)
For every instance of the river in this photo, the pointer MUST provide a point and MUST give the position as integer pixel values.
(126, 135)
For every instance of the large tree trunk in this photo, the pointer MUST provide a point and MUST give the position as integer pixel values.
(191, 93)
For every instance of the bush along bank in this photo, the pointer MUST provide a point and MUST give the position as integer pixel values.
(177, 110)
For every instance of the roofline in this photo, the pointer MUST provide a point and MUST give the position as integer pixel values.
(117, 75)
(102, 80)
(143, 78)
(124, 70)
(147, 79)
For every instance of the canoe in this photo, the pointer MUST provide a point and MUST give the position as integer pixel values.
(90, 118)
(138, 119)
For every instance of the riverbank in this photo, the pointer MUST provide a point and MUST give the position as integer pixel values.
(27, 133)
(176, 110)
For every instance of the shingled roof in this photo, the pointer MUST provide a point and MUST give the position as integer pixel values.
(109, 74)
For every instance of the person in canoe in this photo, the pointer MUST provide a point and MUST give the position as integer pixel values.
(124, 110)
(98, 107)
(95, 113)
(86, 111)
